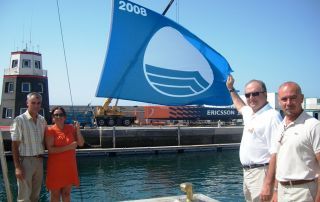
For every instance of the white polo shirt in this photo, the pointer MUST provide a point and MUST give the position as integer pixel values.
(259, 127)
(296, 154)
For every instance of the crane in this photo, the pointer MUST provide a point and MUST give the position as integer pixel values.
(110, 116)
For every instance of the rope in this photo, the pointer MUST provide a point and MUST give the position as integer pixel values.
(66, 64)
(65, 60)
(177, 11)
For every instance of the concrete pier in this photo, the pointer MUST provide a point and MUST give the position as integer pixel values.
(120, 137)
(154, 138)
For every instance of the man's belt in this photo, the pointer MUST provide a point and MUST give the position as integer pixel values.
(254, 166)
(35, 156)
(295, 182)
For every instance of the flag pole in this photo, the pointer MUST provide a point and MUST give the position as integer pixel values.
(167, 8)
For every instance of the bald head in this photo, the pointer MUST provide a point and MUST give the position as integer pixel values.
(291, 85)
(290, 99)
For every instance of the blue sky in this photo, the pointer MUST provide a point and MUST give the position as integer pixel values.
(274, 41)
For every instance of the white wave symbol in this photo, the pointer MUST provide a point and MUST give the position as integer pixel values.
(174, 67)
(176, 83)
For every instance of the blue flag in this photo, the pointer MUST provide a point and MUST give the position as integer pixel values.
(152, 59)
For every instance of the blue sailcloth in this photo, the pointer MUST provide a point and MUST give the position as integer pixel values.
(150, 58)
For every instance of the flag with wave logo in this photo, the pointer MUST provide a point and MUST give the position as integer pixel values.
(151, 58)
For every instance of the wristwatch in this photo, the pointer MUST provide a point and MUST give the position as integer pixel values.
(232, 90)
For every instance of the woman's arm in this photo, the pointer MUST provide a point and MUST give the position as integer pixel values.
(78, 136)
(52, 149)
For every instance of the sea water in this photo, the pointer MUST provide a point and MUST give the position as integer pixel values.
(131, 177)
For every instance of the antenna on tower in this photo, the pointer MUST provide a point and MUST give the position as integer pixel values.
(22, 43)
(30, 32)
(30, 39)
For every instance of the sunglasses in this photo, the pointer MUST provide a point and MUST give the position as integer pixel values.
(58, 115)
(254, 94)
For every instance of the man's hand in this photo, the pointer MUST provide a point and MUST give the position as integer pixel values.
(274, 197)
(230, 82)
(19, 173)
(266, 192)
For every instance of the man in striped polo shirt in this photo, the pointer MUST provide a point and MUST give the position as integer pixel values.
(27, 134)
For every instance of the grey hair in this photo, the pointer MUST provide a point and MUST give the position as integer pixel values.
(299, 91)
(35, 94)
(262, 84)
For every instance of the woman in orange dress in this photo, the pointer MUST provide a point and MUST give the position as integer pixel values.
(62, 141)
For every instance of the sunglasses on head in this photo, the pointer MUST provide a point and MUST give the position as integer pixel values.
(254, 94)
(58, 115)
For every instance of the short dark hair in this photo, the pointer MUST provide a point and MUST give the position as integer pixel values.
(60, 108)
(261, 83)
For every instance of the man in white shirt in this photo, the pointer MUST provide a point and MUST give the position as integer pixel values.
(297, 149)
(260, 124)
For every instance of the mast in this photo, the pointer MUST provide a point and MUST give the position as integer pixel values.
(167, 8)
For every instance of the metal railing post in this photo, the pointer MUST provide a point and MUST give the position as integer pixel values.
(179, 135)
(5, 170)
(100, 136)
(114, 137)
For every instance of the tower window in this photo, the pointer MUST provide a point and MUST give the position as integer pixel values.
(25, 87)
(40, 87)
(14, 63)
(26, 63)
(7, 113)
(9, 87)
(37, 64)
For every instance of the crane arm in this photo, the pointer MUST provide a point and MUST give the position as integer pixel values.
(106, 103)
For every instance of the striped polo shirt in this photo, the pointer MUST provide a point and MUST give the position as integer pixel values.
(29, 134)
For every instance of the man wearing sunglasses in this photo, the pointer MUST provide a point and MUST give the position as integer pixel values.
(297, 148)
(27, 134)
(260, 124)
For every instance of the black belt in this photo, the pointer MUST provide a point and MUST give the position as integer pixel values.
(36, 156)
(254, 166)
(295, 182)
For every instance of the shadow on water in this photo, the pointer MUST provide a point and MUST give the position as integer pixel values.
(215, 174)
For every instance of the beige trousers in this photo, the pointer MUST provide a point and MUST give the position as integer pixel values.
(29, 188)
(302, 192)
(253, 182)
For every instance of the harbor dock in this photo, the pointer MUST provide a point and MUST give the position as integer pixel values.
(111, 141)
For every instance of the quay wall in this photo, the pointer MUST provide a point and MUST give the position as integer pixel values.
(125, 137)
(122, 137)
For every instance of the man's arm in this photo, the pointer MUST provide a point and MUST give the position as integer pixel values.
(318, 191)
(266, 191)
(16, 160)
(275, 191)
(236, 99)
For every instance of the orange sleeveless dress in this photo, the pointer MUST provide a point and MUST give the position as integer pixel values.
(62, 167)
